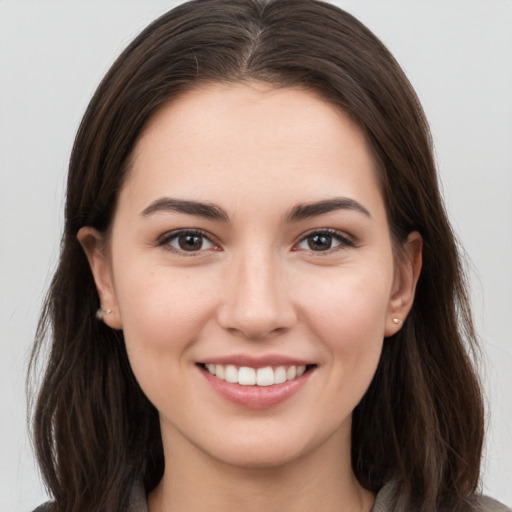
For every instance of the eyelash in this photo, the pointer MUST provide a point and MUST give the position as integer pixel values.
(164, 241)
(343, 239)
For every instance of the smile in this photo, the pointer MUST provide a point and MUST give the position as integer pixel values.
(247, 376)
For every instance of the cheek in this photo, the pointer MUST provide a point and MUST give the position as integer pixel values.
(357, 301)
(348, 325)
(163, 311)
(162, 308)
(347, 314)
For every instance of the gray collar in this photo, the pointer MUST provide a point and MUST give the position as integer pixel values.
(383, 502)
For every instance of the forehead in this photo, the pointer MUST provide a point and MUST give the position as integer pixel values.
(224, 140)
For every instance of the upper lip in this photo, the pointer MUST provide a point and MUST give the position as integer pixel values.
(256, 361)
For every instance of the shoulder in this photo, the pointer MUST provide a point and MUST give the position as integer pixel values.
(487, 504)
(46, 507)
(137, 500)
(386, 501)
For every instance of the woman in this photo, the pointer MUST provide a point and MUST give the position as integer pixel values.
(259, 303)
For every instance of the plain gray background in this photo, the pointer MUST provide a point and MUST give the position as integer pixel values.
(458, 55)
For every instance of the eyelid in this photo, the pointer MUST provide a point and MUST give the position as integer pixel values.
(163, 241)
(342, 237)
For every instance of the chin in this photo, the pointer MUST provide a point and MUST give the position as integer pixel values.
(261, 447)
(259, 458)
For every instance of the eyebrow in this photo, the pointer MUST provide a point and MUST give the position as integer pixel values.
(308, 210)
(166, 204)
(214, 212)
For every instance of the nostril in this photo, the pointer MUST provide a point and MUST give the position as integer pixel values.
(254, 326)
(257, 334)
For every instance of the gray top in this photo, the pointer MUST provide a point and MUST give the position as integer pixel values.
(384, 501)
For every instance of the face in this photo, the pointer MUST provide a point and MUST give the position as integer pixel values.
(250, 241)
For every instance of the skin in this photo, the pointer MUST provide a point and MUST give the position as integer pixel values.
(256, 288)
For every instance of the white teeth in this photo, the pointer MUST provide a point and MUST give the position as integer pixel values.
(280, 375)
(247, 376)
(291, 373)
(231, 374)
(265, 376)
(219, 371)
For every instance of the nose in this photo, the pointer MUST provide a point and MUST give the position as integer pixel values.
(256, 301)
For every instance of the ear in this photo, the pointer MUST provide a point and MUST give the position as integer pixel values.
(95, 248)
(404, 286)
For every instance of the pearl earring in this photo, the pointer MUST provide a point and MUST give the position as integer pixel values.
(102, 313)
(397, 320)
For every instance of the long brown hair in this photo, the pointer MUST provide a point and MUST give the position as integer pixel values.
(421, 421)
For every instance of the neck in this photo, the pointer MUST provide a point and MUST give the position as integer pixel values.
(322, 480)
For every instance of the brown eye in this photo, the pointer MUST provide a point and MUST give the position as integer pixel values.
(320, 242)
(324, 241)
(187, 241)
(190, 242)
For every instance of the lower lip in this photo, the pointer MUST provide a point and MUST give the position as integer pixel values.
(256, 397)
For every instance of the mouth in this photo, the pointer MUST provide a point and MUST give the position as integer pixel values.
(260, 377)
(256, 382)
